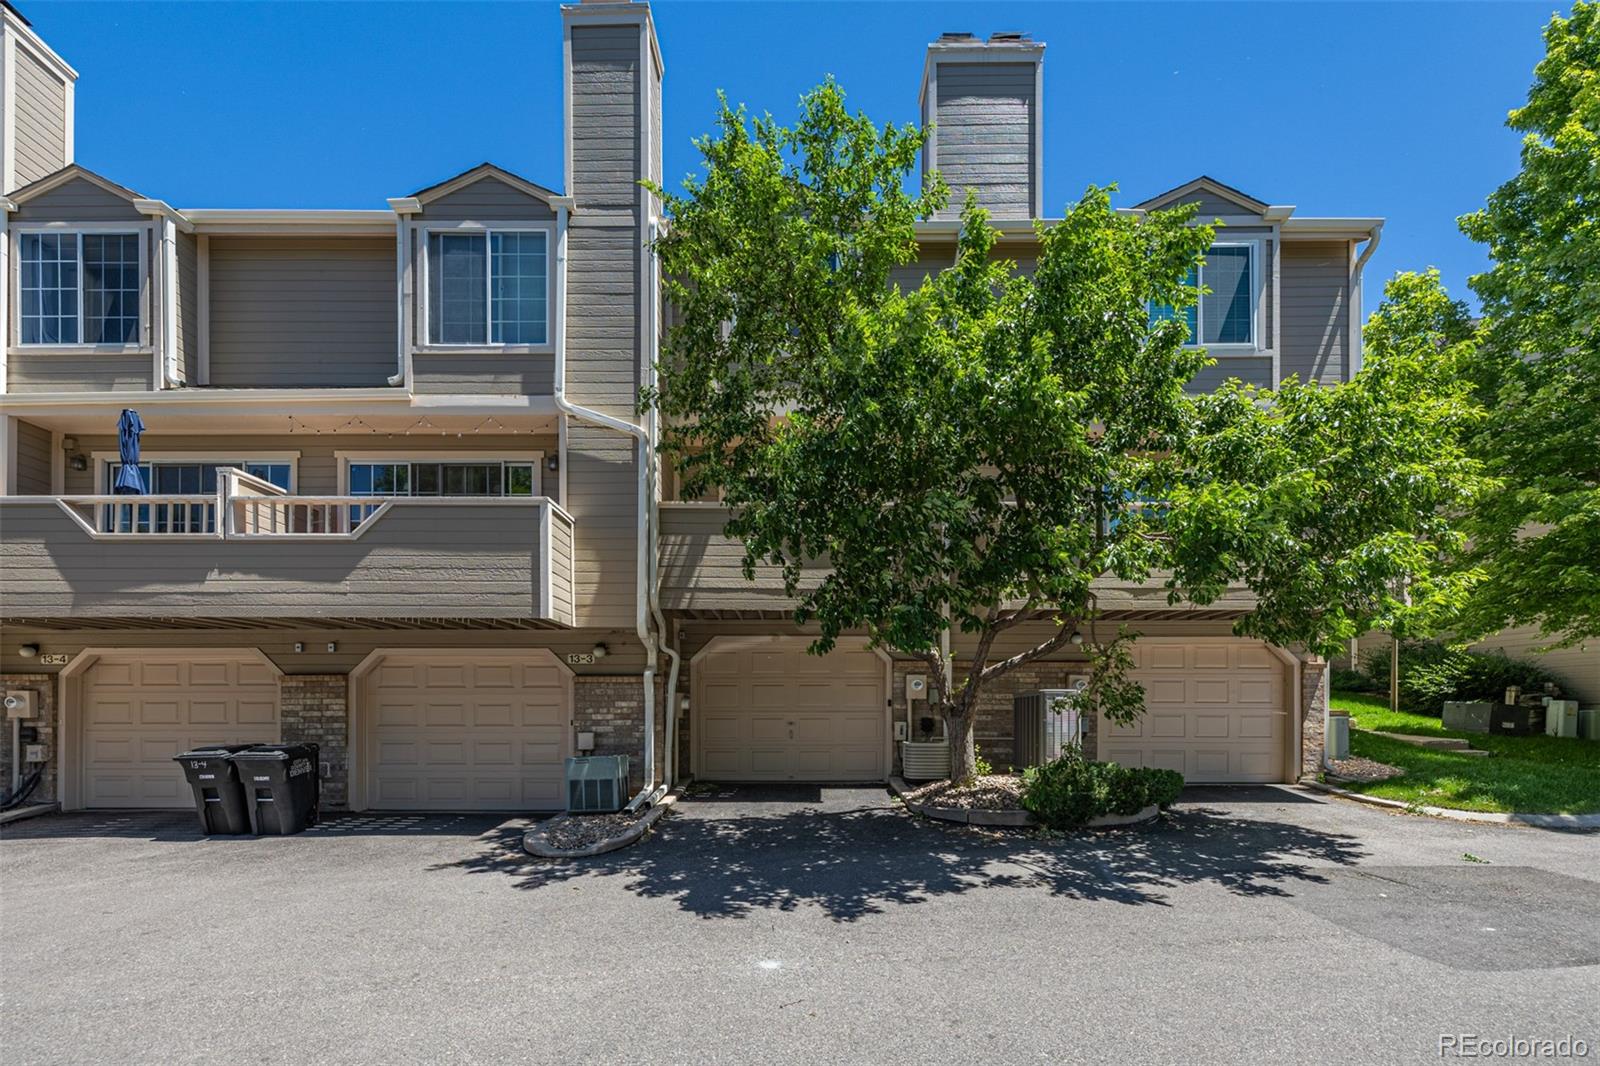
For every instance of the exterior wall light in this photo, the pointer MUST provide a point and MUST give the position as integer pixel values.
(28, 651)
(600, 651)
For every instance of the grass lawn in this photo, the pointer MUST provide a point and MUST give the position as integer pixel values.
(1527, 775)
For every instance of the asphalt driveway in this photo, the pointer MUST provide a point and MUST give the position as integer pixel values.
(801, 925)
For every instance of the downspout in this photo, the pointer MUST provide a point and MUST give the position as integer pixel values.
(1356, 297)
(669, 762)
(169, 300)
(642, 565)
(403, 207)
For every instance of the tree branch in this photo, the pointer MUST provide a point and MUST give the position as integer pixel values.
(1005, 666)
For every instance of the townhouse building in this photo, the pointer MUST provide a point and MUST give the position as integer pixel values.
(400, 501)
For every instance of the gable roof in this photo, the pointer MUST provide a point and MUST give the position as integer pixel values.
(68, 173)
(479, 173)
(1210, 185)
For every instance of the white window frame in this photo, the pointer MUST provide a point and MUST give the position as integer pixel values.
(401, 455)
(1254, 346)
(144, 232)
(486, 229)
(102, 460)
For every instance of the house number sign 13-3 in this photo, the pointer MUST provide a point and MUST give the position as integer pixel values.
(580, 658)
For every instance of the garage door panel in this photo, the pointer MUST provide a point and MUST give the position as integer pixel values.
(1215, 711)
(141, 709)
(781, 714)
(476, 734)
(208, 712)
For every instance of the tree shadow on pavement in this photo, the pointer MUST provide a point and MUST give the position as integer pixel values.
(857, 862)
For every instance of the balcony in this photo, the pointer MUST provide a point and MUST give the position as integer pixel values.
(252, 552)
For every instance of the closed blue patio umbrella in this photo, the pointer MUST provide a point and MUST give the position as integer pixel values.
(129, 481)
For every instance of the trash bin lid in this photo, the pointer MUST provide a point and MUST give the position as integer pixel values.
(274, 751)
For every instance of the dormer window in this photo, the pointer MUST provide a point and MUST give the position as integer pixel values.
(488, 287)
(80, 288)
(1226, 315)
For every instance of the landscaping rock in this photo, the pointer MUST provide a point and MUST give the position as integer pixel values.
(572, 836)
(1357, 768)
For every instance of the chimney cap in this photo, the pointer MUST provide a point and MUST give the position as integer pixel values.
(1010, 36)
(955, 35)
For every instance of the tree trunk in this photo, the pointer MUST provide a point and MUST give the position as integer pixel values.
(963, 752)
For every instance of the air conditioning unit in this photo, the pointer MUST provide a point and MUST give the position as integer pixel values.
(22, 703)
(597, 783)
(1043, 731)
(1561, 718)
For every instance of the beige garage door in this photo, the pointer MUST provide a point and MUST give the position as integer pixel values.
(467, 731)
(141, 709)
(770, 712)
(1214, 711)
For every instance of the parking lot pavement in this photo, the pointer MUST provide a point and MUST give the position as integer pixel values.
(798, 925)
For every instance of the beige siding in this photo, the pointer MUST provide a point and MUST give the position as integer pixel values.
(77, 200)
(984, 115)
(603, 499)
(487, 200)
(1316, 310)
(188, 309)
(318, 464)
(302, 312)
(34, 453)
(605, 113)
(489, 566)
(563, 603)
(701, 569)
(624, 655)
(87, 371)
(1578, 667)
(41, 115)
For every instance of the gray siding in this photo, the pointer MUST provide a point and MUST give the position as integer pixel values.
(487, 200)
(984, 116)
(489, 567)
(563, 600)
(188, 309)
(33, 460)
(606, 112)
(302, 312)
(1251, 369)
(88, 371)
(41, 115)
(603, 498)
(1316, 310)
(1577, 667)
(456, 372)
(77, 200)
(318, 464)
(1211, 205)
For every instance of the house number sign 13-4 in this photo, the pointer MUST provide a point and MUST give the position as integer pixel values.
(57, 659)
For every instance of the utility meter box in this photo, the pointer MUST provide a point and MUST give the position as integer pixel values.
(916, 687)
(22, 703)
(1561, 718)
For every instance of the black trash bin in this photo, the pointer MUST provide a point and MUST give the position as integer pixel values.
(282, 786)
(218, 795)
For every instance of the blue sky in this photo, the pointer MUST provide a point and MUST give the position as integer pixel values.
(1341, 109)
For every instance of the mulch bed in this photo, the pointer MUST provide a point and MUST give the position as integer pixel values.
(1356, 768)
(581, 830)
(991, 792)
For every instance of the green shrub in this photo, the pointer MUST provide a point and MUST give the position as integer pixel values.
(1068, 792)
(1344, 679)
(1432, 675)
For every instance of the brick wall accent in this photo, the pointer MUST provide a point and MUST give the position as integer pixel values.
(613, 707)
(1313, 708)
(315, 708)
(45, 723)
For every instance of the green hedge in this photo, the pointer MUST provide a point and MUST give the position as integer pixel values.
(1433, 674)
(1066, 793)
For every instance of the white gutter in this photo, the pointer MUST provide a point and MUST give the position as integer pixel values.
(653, 291)
(169, 299)
(642, 562)
(1374, 238)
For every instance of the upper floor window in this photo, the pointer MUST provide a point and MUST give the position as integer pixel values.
(471, 478)
(80, 288)
(1226, 315)
(488, 287)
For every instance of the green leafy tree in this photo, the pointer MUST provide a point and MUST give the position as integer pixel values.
(978, 452)
(1538, 541)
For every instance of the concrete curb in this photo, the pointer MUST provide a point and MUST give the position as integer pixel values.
(1536, 821)
(1009, 819)
(32, 810)
(533, 840)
